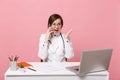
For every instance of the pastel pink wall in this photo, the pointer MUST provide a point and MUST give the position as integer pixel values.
(95, 24)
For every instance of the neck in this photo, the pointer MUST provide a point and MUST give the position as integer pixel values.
(57, 33)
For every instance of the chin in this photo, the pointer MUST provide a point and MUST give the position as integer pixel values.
(56, 32)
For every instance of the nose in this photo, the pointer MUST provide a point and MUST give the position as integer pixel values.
(56, 26)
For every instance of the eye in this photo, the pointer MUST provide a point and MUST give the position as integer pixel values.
(59, 24)
(54, 24)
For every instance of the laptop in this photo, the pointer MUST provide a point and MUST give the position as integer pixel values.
(93, 61)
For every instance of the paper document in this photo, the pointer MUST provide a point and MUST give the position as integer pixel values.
(48, 68)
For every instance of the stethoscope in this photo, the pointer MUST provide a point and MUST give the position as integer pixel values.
(63, 44)
(62, 41)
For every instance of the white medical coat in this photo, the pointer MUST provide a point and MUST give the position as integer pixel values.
(55, 51)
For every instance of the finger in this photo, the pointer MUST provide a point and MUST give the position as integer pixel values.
(50, 29)
(69, 31)
(51, 32)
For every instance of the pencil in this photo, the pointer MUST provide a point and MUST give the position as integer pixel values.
(32, 69)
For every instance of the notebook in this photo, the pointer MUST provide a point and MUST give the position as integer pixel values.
(93, 61)
(25, 64)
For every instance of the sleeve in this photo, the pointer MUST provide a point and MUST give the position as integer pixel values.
(43, 48)
(69, 52)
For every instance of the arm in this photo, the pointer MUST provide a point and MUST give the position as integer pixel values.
(43, 47)
(69, 52)
(68, 45)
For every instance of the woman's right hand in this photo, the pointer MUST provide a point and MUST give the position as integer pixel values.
(48, 34)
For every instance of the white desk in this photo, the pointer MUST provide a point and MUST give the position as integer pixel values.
(58, 72)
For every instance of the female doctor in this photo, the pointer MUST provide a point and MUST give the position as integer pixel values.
(55, 46)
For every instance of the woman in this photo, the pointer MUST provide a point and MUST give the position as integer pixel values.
(55, 46)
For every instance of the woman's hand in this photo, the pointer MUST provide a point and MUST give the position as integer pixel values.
(48, 34)
(68, 34)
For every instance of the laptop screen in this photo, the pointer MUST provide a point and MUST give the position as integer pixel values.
(95, 60)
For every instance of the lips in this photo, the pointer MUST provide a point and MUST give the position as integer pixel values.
(56, 30)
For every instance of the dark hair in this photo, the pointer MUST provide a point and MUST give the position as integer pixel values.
(53, 17)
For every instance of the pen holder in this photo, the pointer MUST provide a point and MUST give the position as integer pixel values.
(13, 65)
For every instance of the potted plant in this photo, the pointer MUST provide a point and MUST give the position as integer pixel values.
(22, 67)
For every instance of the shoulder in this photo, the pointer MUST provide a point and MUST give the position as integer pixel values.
(42, 36)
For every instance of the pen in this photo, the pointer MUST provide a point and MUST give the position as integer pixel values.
(32, 69)
(16, 58)
(10, 59)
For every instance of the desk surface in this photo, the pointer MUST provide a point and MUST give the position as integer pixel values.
(47, 68)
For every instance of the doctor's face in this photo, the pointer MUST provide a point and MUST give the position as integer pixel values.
(57, 26)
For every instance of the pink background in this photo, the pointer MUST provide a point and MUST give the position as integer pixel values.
(95, 24)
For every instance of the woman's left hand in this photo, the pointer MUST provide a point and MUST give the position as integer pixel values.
(68, 34)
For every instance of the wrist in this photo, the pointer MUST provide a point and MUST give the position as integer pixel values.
(47, 41)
